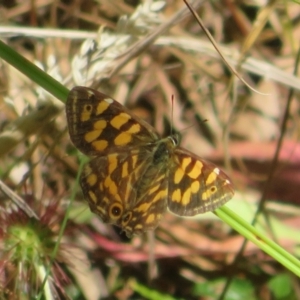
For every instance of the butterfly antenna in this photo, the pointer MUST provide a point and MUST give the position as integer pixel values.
(172, 113)
(193, 124)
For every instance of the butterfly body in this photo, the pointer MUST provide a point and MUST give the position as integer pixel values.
(135, 175)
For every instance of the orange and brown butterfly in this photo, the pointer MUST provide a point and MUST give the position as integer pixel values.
(134, 174)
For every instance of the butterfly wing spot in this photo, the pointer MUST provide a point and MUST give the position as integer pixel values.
(176, 196)
(112, 163)
(196, 170)
(137, 229)
(185, 163)
(179, 174)
(87, 170)
(134, 159)
(86, 113)
(92, 196)
(125, 169)
(100, 125)
(195, 187)
(212, 176)
(101, 211)
(135, 128)
(160, 195)
(123, 139)
(126, 218)
(186, 197)
(91, 179)
(153, 189)
(109, 100)
(227, 182)
(209, 193)
(105, 200)
(92, 135)
(194, 173)
(112, 187)
(150, 219)
(100, 145)
(101, 186)
(143, 207)
(115, 211)
(118, 121)
(102, 107)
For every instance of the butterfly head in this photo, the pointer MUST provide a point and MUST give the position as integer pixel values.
(175, 139)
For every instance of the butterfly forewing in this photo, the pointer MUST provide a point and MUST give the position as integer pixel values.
(100, 125)
(135, 175)
(196, 186)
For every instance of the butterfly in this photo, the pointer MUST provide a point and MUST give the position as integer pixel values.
(135, 175)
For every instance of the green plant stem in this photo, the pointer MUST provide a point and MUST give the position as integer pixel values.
(33, 72)
(259, 239)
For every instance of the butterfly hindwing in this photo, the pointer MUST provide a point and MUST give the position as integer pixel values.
(124, 189)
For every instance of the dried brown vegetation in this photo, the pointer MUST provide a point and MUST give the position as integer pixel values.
(141, 53)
